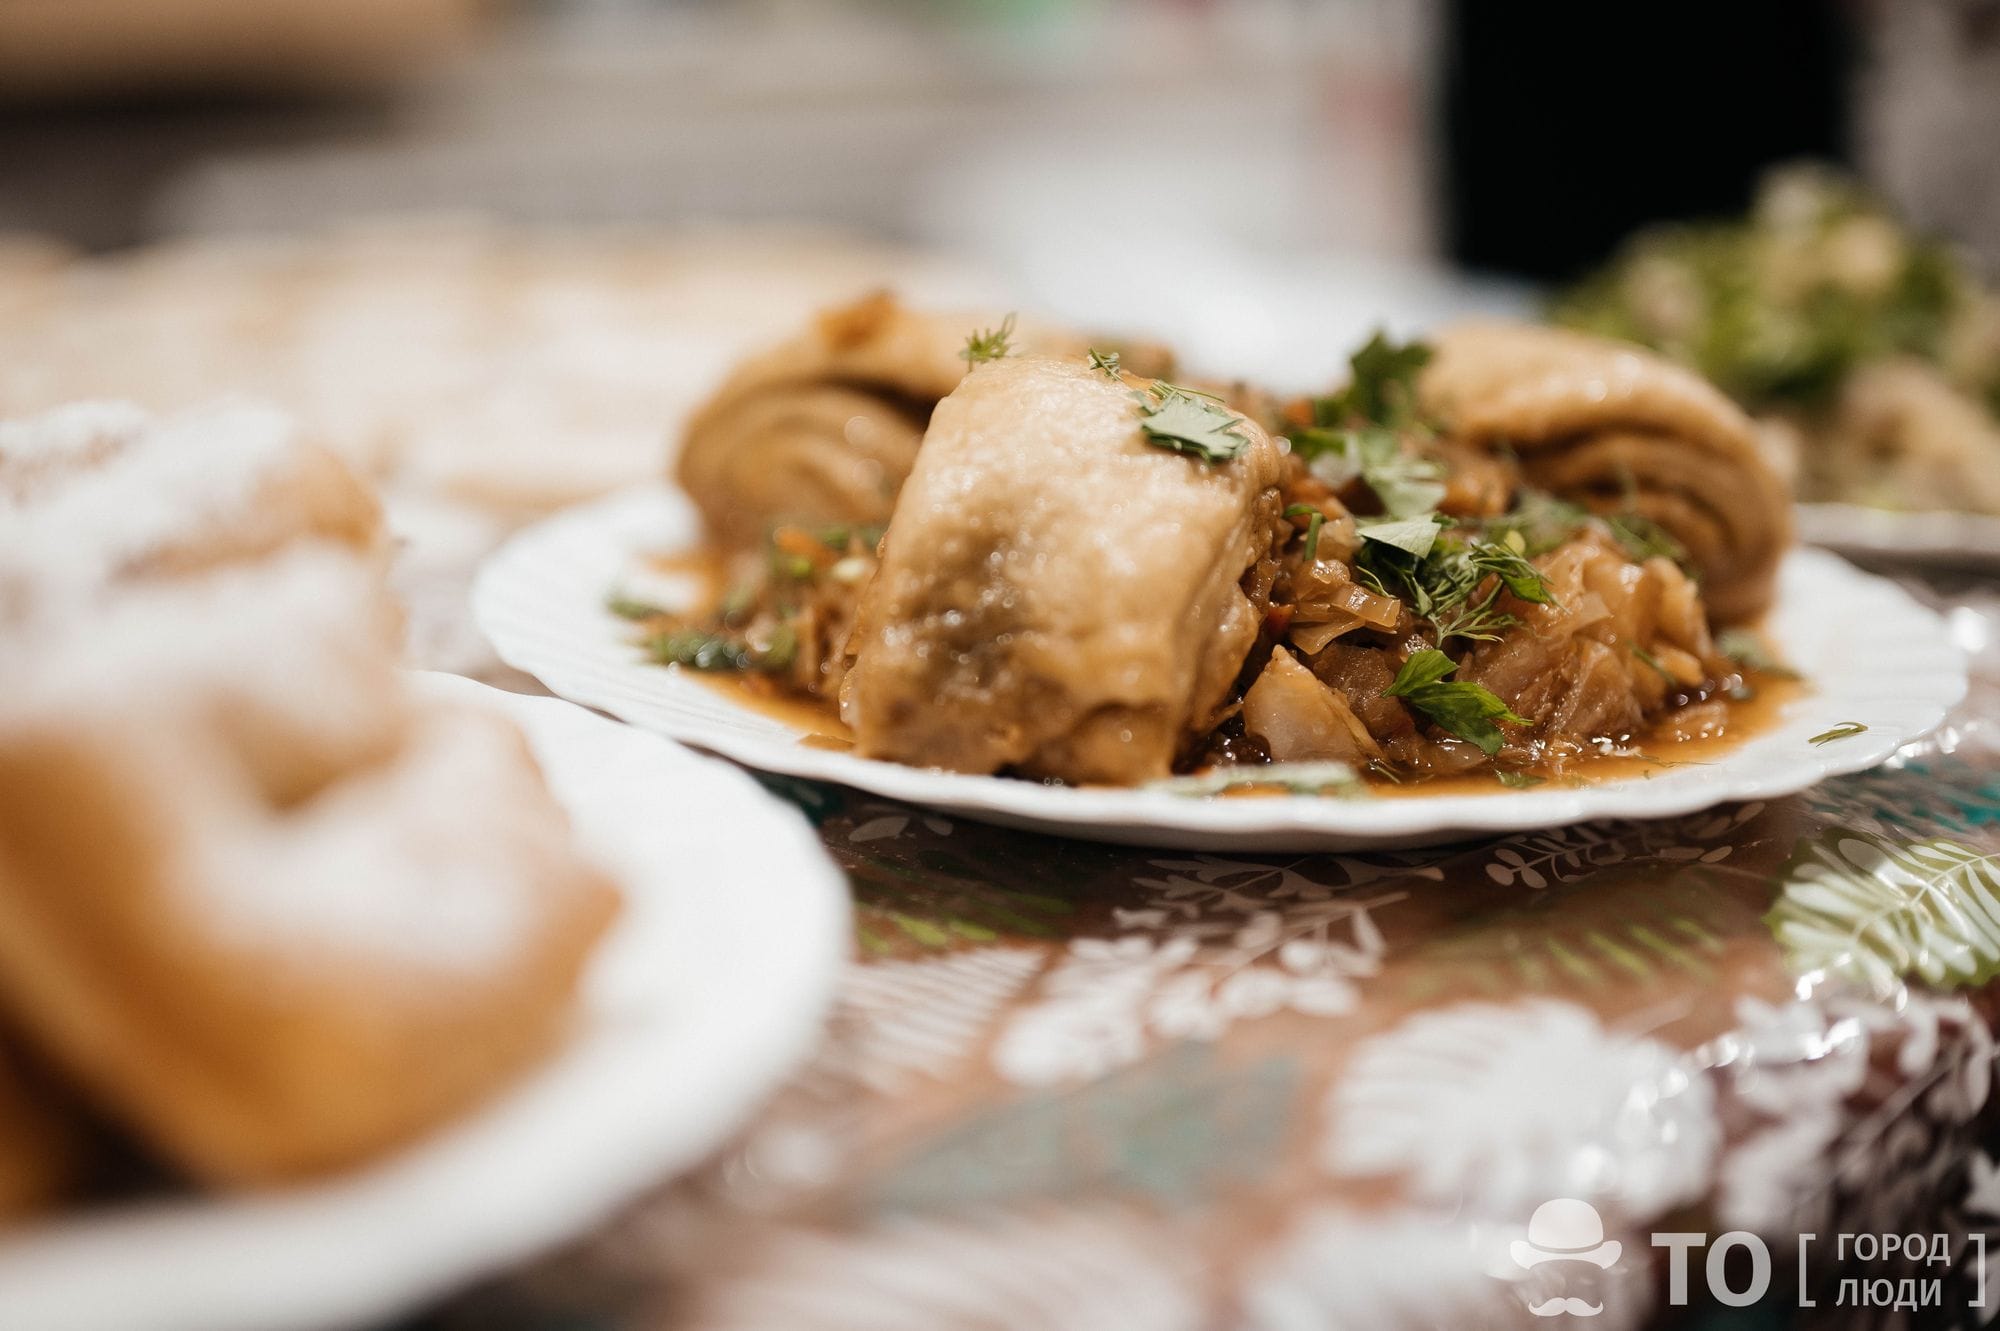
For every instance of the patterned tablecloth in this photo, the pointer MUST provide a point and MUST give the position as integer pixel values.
(1082, 1086)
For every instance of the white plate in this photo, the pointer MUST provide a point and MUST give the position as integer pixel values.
(1872, 654)
(708, 991)
(1960, 540)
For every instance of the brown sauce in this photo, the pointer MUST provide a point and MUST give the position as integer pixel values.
(705, 566)
(1644, 758)
(817, 719)
(820, 725)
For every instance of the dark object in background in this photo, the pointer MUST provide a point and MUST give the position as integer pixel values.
(1566, 126)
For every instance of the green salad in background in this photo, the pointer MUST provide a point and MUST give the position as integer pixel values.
(1870, 353)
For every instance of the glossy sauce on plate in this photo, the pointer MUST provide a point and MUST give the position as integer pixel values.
(821, 727)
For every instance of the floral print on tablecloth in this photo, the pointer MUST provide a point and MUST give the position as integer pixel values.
(1082, 1086)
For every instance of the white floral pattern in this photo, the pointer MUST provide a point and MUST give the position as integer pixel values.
(1537, 860)
(1499, 1108)
(1342, 1270)
(925, 1017)
(1223, 941)
(1052, 1268)
(892, 820)
(1799, 1067)
(1347, 1270)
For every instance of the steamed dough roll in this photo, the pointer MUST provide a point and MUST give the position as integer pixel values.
(1619, 429)
(1057, 596)
(257, 909)
(99, 495)
(822, 429)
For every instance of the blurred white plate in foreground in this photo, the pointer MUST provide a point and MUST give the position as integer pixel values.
(1872, 655)
(1957, 540)
(707, 992)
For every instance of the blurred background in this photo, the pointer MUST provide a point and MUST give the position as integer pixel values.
(494, 248)
(1515, 140)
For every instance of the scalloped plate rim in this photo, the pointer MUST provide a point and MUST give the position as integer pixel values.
(1944, 537)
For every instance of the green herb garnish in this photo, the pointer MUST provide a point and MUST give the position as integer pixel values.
(737, 605)
(699, 651)
(1299, 778)
(1771, 309)
(780, 649)
(1441, 584)
(1185, 420)
(626, 607)
(796, 567)
(1466, 710)
(1744, 647)
(1544, 522)
(1412, 536)
(1406, 484)
(1506, 562)
(1539, 522)
(1314, 521)
(1105, 361)
(1642, 538)
(1518, 780)
(1845, 730)
(1382, 388)
(1654, 662)
(990, 344)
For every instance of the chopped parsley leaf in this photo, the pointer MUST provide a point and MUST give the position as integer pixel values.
(1406, 484)
(1183, 420)
(1382, 388)
(1441, 584)
(1413, 536)
(1466, 710)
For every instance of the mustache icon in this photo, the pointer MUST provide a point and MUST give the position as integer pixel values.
(1556, 1307)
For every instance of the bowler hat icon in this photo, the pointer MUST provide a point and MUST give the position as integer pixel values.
(1565, 1230)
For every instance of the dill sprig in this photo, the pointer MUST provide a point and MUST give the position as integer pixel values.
(989, 344)
(1545, 522)
(1105, 362)
(1442, 581)
(1647, 658)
